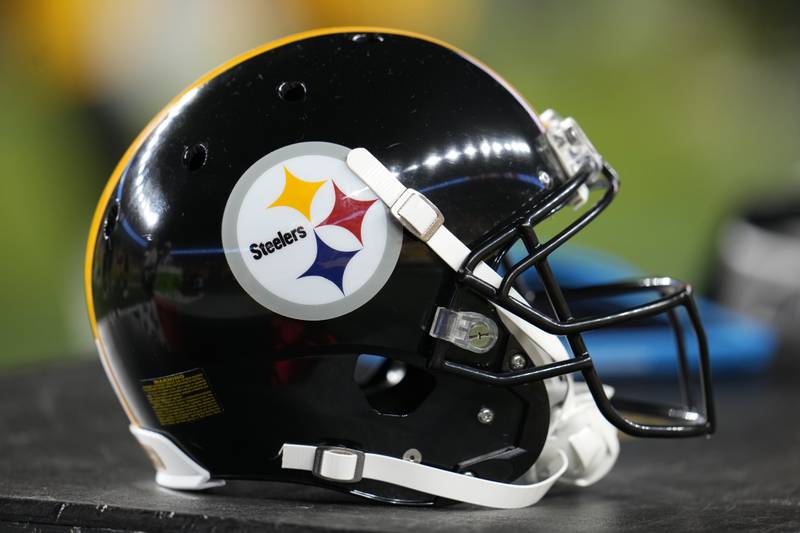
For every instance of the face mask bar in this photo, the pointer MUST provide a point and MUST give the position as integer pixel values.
(682, 421)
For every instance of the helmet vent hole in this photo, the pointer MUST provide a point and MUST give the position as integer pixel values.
(195, 156)
(367, 38)
(111, 220)
(292, 91)
(392, 387)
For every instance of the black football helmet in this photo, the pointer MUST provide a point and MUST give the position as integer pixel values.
(317, 265)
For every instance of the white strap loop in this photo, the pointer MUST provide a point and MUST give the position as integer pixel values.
(338, 465)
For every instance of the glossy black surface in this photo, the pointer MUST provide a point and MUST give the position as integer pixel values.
(166, 301)
(68, 462)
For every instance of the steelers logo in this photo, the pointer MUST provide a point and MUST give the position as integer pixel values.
(305, 237)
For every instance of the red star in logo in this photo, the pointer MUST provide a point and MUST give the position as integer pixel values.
(347, 212)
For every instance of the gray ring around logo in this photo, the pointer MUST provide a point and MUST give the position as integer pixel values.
(230, 241)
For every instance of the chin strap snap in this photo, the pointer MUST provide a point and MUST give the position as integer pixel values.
(344, 465)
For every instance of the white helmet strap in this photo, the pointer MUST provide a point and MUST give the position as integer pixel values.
(344, 465)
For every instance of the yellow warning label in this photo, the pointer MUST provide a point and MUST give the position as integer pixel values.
(181, 397)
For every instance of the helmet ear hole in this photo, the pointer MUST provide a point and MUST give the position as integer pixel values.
(392, 387)
(195, 156)
(292, 91)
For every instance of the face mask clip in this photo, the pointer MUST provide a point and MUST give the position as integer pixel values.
(573, 149)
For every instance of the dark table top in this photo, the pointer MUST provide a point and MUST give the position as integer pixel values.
(67, 460)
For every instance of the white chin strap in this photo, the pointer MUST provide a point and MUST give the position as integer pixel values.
(343, 465)
(582, 446)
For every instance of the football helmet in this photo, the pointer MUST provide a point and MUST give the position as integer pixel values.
(302, 271)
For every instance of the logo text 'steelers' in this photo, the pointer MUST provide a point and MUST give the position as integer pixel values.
(260, 249)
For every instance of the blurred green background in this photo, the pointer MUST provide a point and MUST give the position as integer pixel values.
(696, 104)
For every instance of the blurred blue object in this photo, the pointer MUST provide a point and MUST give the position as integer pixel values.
(737, 344)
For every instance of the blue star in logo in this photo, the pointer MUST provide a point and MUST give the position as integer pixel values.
(329, 263)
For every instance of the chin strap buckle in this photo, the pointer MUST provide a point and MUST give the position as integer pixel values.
(417, 214)
(335, 463)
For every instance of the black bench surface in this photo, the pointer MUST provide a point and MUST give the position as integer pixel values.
(67, 462)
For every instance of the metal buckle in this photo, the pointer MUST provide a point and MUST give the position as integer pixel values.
(319, 456)
(417, 214)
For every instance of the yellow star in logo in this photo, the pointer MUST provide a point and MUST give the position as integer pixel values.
(297, 193)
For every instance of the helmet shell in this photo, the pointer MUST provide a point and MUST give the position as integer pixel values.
(163, 301)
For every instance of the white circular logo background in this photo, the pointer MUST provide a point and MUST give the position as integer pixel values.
(305, 237)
